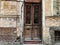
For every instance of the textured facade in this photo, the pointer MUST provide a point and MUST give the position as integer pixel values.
(9, 19)
(12, 23)
(52, 23)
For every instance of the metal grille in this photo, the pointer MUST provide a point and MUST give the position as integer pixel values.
(57, 36)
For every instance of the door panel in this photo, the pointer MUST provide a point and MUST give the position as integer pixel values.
(27, 33)
(35, 35)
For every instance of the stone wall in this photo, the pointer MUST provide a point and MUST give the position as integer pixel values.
(7, 22)
(8, 8)
(47, 7)
(9, 18)
(8, 28)
(51, 22)
(46, 31)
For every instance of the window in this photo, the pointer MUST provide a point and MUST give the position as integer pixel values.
(28, 14)
(57, 36)
(36, 14)
(56, 7)
(32, 13)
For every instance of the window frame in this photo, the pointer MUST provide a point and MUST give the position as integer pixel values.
(52, 10)
(32, 14)
(29, 21)
(35, 14)
(25, 14)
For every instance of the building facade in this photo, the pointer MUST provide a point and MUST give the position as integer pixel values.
(33, 21)
(9, 20)
(52, 27)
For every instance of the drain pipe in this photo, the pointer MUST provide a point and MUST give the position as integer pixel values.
(21, 18)
(22, 21)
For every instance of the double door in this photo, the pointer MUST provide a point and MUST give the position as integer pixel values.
(33, 22)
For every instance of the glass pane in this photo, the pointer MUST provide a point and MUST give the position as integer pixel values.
(36, 14)
(28, 14)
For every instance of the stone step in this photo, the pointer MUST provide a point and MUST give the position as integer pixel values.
(32, 44)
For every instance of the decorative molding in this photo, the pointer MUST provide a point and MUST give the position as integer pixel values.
(55, 28)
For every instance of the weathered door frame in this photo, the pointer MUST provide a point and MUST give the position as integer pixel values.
(25, 11)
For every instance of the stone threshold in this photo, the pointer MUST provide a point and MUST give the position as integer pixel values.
(32, 44)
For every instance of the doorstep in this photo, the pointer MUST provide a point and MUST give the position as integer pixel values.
(32, 44)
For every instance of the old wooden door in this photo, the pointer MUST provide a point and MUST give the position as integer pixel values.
(33, 22)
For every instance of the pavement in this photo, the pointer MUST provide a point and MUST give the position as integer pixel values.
(58, 43)
(14, 43)
(9, 43)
